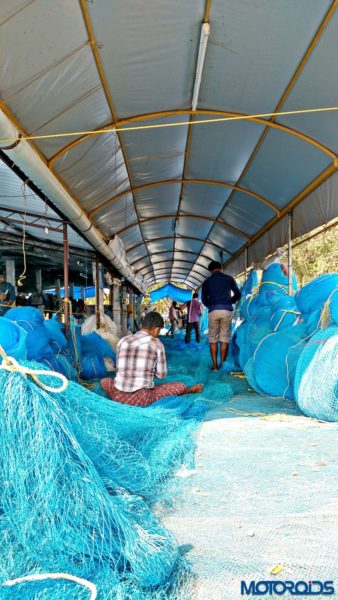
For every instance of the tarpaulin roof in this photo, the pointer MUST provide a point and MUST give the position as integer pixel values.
(180, 195)
(171, 291)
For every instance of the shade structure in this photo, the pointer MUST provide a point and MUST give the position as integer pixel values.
(181, 187)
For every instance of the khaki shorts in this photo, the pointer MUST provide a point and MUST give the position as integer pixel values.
(220, 326)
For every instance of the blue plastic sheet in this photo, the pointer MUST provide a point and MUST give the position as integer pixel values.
(171, 291)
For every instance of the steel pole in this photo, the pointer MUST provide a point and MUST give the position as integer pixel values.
(66, 274)
(290, 253)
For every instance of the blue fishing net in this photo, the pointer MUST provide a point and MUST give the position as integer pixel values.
(333, 307)
(316, 381)
(275, 361)
(284, 313)
(55, 333)
(31, 321)
(314, 294)
(73, 350)
(250, 283)
(13, 339)
(60, 364)
(249, 335)
(73, 473)
(92, 342)
(94, 352)
(190, 364)
(274, 279)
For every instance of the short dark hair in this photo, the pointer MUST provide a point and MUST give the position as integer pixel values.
(174, 303)
(1, 272)
(195, 295)
(153, 319)
(214, 265)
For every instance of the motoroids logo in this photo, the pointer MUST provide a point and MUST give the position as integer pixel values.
(292, 588)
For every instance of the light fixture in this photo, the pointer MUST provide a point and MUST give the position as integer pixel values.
(205, 32)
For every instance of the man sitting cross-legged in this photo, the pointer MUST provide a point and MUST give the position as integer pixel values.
(140, 358)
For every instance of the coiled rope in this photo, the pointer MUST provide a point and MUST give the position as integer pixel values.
(42, 576)
(10, 364)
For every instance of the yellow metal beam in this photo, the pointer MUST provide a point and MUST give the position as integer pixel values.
(163, 278)
(97, 58)
(198, 254)
(170, 261)
(202, 112)
(272, 122)
(177, 270)
(181, 237)
(185, 181)
(288, 90)
(21, 129)
(330, 170)
(207, 11)
(185, 216)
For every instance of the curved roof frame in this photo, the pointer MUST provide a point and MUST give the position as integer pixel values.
(163, 279)
(267, 125)
(181, 237)
(200, 254)
(184, 181)
(95, 49)
(180, 272)
(185, 216)
(177, 261)
(272, 123)
(208, 112)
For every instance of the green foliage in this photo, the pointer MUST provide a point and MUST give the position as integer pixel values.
(316, 256)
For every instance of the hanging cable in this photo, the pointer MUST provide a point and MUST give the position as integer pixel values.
(22, 277)
(207, 121)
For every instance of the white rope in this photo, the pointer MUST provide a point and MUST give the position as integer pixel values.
(41, 576)
(10, 364)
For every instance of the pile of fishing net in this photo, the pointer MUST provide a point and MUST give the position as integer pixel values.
(316, 379)
(31, 320)
(275, 342)
(98, 357)
(190, 364)
(256, 312)
(78, 477)
(87, 356)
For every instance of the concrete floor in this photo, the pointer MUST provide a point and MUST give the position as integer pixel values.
(262, 497)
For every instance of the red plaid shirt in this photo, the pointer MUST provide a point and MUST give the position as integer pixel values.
(139, 359)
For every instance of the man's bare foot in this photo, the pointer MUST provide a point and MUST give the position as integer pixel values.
(195, 389)
(214, 368)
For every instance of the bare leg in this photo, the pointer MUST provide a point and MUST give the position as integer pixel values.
(195, 389)
(224, 351)
(213, 352)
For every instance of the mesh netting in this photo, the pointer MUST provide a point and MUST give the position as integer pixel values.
(315, 293)
(263, 496)
(37, 339)
(316, 382)
(275, 360)
(67, 492)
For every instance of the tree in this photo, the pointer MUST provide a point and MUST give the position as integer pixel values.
(316, 256)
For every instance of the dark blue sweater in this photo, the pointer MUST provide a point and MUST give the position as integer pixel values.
(220, 292)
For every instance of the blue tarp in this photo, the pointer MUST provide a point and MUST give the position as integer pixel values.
(89, 292)
(170, 291)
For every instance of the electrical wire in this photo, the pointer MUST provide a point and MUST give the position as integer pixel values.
(22, 277)
(164, 125)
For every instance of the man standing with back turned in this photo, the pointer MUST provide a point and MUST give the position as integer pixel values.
(219, 293)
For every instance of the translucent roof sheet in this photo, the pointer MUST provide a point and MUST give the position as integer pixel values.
(179, 194)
